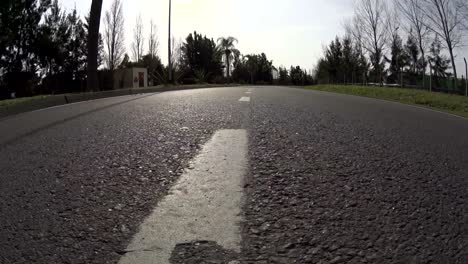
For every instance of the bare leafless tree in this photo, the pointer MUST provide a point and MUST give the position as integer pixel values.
(414, 13)
(138, 40)
(371, 15)
(353, 30)
(393, 25)
(114, 35)
(464, 9)
(445, 19)
(153, 41)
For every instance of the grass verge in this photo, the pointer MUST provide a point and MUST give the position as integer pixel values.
(454, 104)
(11, 102)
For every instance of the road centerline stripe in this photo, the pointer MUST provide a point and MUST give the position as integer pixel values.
(205, 203)
(244, 99)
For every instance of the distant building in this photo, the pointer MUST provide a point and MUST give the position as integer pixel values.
(131, 78)
(275, 74)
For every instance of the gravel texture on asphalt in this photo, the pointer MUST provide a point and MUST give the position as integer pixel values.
(76, 192)
(332, 181)
(203, 252)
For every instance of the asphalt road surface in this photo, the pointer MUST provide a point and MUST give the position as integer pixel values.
(265, 174)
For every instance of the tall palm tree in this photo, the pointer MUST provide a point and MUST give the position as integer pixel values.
(93, 42)
(227, 46)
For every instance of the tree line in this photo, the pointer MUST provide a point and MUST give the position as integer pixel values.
(400, 42)
(45, 49)
(41, 47)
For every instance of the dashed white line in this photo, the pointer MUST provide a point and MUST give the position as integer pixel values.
(205, 204)
(244, 99)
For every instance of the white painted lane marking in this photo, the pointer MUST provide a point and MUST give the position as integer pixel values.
(205, 204)
(244, 99)
(248, 92)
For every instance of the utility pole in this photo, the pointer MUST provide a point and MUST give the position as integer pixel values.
(169, 45)
(466, 78)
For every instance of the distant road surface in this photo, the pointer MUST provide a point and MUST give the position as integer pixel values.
(234, 175)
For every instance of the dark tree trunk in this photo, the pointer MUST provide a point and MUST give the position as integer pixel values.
(423, 61)
(93, 39)
(228, 67)
(454, 65)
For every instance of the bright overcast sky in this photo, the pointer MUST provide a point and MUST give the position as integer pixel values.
(290, 32)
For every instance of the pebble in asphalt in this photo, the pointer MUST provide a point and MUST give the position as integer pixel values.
(204, 204)
(330, 179)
